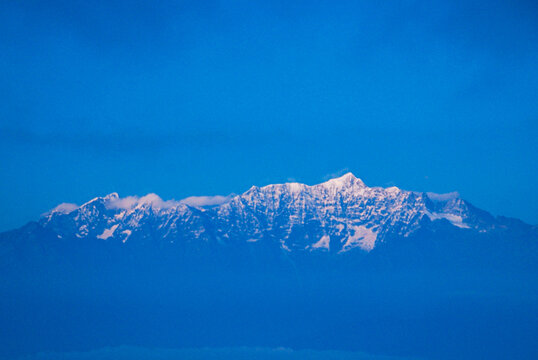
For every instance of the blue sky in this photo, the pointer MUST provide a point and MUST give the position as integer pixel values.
(210, 97)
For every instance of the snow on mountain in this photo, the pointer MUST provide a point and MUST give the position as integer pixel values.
(338, 215)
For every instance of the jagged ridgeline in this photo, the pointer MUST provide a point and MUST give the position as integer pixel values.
(338, 216)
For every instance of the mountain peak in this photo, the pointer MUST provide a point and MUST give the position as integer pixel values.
(348, 179)
(103, 199)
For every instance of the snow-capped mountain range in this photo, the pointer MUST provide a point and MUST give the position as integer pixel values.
(338, 216)
(290, 263)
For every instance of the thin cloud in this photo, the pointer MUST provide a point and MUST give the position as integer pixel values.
(129, 202)
(63, 208)
(336, 174)
(200, 201)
